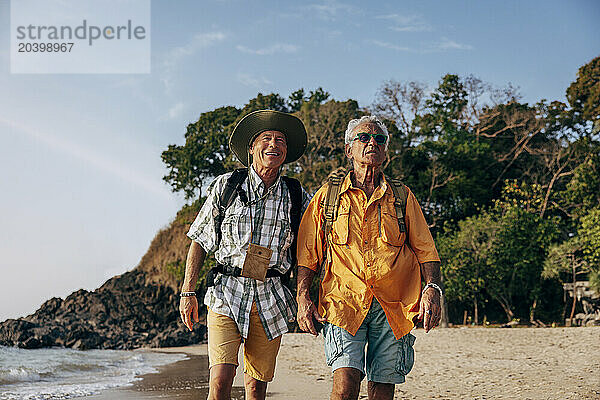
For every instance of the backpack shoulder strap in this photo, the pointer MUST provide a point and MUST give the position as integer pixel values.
(332, 199)
(295, 190)
(400, 195)
(233, 188)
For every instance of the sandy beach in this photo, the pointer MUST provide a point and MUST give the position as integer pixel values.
(456, 363)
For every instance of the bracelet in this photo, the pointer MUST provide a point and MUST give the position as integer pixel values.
(433, 285)
(187, 294)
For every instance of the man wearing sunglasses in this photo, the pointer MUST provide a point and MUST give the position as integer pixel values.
(372, 262)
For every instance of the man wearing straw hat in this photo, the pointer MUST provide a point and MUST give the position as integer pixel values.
(249, 220)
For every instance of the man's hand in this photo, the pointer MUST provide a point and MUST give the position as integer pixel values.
(188, 309)
(306, 313)
(430, 308)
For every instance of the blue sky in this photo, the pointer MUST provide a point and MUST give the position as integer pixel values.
(80, 168)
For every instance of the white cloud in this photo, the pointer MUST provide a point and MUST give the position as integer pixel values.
(275, 48)
(249, 80)
(444, 44)
(197, 42)
(176, 110)
(391, 46)
(91, 158)
(407, 23)
(447, 44)
(175, 55)
(329, 9)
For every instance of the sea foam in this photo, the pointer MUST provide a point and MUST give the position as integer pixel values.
(59, 373)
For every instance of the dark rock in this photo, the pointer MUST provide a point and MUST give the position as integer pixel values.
(31, 343)
(124, 313)
(15, 331)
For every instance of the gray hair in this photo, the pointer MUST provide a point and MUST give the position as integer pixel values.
(372, 119)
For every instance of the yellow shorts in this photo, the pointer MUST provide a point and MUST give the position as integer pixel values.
(224, 341)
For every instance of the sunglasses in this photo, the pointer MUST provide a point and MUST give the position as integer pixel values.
(366, 137)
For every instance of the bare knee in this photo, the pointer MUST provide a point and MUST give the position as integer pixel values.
(255, 389)
(221, 381)
(346, 384)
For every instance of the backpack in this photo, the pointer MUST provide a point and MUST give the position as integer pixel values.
(332, 202)
(233, 188)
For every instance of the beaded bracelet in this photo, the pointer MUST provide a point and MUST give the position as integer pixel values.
(433, 285)
(188, 294)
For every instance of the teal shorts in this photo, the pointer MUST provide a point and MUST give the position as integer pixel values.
(388, 360)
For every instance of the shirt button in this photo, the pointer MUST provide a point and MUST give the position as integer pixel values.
(366, 241)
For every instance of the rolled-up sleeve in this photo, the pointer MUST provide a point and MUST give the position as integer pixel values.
(419, 236)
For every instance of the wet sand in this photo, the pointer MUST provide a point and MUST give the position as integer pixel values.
(456, 363)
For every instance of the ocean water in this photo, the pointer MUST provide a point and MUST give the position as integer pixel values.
(59, 373)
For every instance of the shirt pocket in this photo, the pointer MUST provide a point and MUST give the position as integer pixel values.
(341, 226)
(390, 231)
(231, 230)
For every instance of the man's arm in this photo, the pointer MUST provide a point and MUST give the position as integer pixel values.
(188, 306)
(430, 306)
(306, 308)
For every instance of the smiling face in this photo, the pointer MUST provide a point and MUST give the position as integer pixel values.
(370, 153)
(268, 150)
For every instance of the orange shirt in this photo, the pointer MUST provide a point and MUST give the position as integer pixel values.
(367, 256)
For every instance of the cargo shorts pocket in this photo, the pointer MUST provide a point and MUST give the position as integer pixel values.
(406, 354)
(333, 342)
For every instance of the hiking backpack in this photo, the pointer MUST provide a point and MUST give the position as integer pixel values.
(332, 202)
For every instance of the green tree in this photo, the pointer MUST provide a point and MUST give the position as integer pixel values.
(466, 253)
(565, 262)
(447, 168)
(326, 124)
(589, 235)
(584, 93)
(582, 192)
(514, 278)
(205, 153)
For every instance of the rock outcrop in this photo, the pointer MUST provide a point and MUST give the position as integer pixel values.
(124, 313)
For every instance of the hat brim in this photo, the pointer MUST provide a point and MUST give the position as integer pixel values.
(268, 120)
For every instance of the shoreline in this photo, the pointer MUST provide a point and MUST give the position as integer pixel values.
(452, 363)
(185, 379)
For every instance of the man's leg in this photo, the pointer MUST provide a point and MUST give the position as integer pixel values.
(381, 391)
(224, 342)
(389, 359)
(346, 384)
(221, 381)
(255, 389)
(260, 355)
(345, 353)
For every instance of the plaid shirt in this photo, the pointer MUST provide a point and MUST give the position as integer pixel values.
(233, 296)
